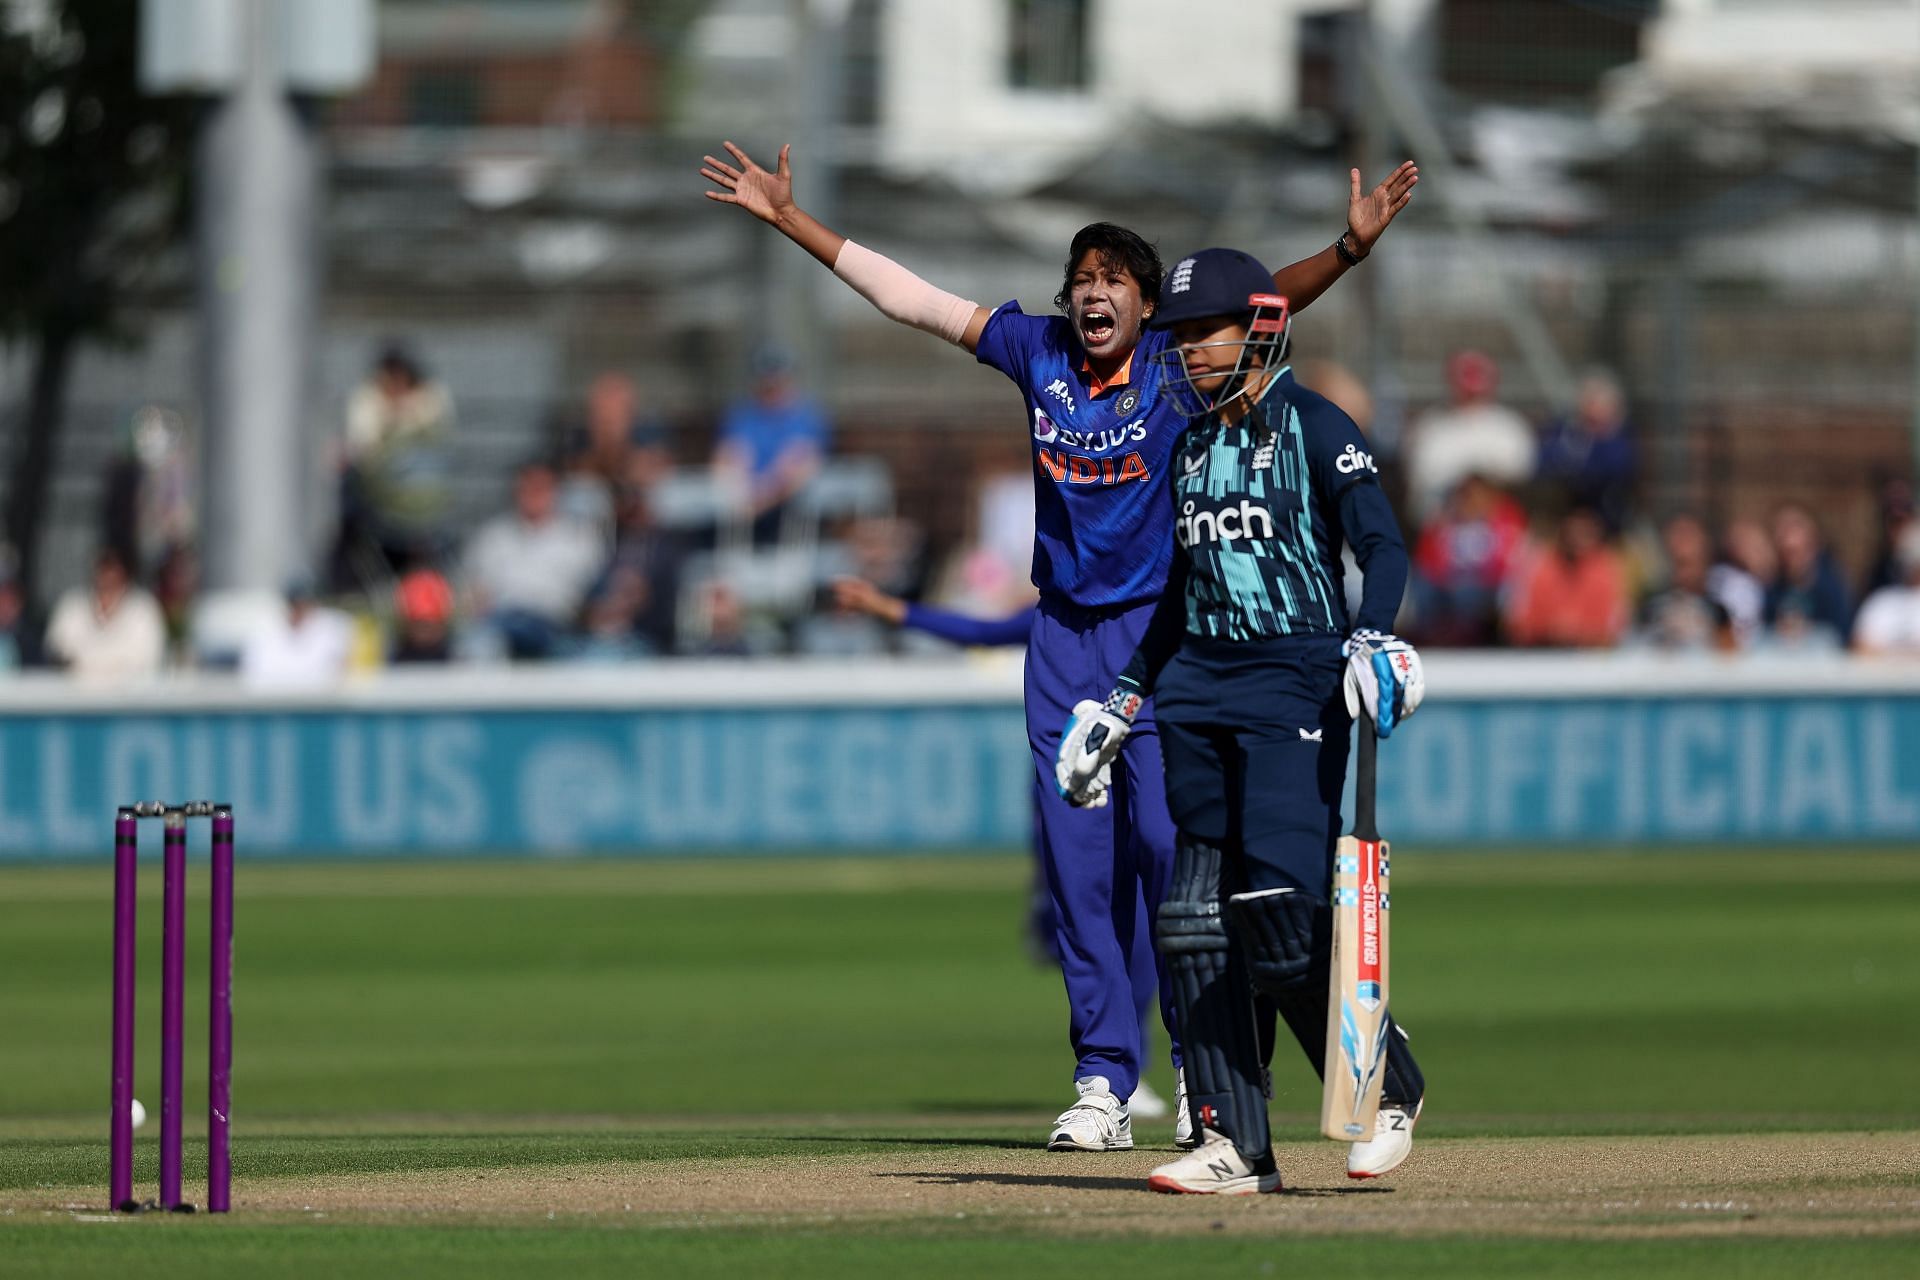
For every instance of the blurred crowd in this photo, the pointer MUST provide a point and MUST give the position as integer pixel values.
(621, 543)
(1533, 536)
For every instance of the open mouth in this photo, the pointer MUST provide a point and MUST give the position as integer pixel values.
(1096, 326)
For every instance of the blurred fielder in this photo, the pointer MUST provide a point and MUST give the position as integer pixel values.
(1258, 675)
(1103, 432)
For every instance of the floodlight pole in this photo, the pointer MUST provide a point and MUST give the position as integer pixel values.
(259, 185)
(1915, 408)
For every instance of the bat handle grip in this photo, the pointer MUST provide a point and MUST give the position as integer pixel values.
(1365, 823)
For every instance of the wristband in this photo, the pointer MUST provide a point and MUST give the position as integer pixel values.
(1124, 702)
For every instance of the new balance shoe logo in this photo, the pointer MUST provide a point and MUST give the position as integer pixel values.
(1221, 1170)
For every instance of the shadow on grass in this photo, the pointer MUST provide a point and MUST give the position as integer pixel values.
(901, 1140)
(1064, 1181)
(1090, 1182)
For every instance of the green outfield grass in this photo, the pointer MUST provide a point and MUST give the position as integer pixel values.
(399, 1019)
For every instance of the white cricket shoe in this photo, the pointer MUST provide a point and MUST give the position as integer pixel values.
(1390, 1145)
(1214, 1168)
(1182, 1114)
(1097, 1122)
(1148, 1104)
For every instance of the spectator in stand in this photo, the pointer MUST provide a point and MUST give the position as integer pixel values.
(1572, 594)
(726, 624)
(617, 441)
(17, 647)
(1750, 550)
(630, 612)
(1474, 435)
(1742, 590)
(147, 493)
(1589, 455)
(1701, 605)
(110, 631)
(1889, 621)
(176, 586)
(423, 618)
(1462, 559)
(528, 571)
(1896, 517)
(771, 444)
(309, 647)
(394, 489)
(1809, 599)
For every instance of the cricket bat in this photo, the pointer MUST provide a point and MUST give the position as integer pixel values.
(1356, 1058)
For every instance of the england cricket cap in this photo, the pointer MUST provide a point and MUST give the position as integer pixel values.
(1212, 282)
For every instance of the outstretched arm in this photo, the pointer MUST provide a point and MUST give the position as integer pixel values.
(898, 293)
(1367, 217)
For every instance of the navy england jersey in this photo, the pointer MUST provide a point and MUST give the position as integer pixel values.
(1260, 509)
(1101, 535)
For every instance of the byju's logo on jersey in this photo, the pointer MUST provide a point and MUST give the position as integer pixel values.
(1227, 525)
(1043, 428)
(1182, 278)
(1354, 459)
(1058, 389)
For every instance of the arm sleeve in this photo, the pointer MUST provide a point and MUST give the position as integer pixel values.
(960, 629)
(1344, 467)
(900, 295)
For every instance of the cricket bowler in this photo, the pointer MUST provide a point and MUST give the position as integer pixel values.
(1257, 674)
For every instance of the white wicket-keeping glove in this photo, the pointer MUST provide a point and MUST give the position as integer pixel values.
(1384, 679)
(1083, 771)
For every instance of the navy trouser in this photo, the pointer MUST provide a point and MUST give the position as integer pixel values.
(1100, 864)
(1256, 737)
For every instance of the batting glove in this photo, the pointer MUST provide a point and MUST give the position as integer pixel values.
(1083, 771)
(1384, 679)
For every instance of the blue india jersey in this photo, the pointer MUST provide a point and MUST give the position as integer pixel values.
(1101, 533)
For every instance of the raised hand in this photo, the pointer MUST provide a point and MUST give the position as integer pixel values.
(1369, 214)
(767, 196)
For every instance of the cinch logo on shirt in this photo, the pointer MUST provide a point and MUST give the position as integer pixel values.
(1354, 459)
(1059, 388)
(1227, 525)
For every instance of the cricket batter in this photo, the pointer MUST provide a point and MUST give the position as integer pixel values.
(1103, 433)
(1257, 674)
